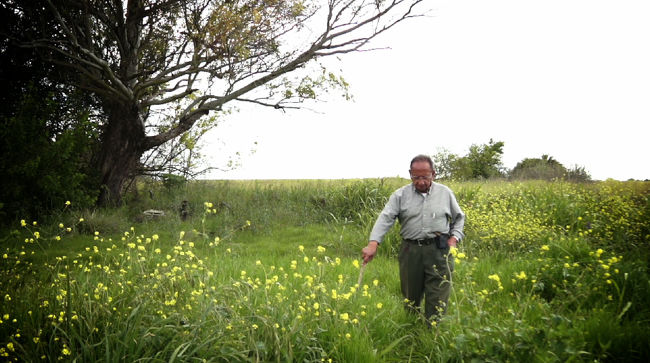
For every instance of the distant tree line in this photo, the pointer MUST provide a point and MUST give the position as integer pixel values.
(484, 162)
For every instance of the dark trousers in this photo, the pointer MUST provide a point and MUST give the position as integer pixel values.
(425, 271)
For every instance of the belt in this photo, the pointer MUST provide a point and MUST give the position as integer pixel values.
(423, 241)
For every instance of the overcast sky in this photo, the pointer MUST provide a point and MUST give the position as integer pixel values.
(567, 78)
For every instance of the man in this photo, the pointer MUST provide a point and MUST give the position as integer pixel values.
(431, 222)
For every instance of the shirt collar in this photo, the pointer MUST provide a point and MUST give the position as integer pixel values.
(418, 192)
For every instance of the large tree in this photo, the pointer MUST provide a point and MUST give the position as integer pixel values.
(183, 60)
(46, 132)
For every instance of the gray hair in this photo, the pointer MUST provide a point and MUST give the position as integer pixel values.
(423, 157)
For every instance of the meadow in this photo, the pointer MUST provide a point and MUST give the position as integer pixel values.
(267, 271)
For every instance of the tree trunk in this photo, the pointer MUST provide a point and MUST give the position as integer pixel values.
(120, 152)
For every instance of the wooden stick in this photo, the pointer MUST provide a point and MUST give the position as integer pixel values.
(363, 268)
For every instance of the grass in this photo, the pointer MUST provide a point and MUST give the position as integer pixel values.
(268, 272)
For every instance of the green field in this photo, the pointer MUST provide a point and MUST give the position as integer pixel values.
(267, 271)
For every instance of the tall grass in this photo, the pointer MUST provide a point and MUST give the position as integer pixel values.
(267, 271)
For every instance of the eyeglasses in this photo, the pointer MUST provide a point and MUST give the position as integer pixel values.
(420, 177)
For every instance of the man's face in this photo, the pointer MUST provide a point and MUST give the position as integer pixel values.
(421, 175)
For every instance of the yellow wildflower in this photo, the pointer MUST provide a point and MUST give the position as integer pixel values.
(495, 277)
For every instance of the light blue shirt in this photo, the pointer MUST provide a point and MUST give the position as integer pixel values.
(421, 215)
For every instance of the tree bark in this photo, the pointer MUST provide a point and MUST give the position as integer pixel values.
(121, 149)
(137, 54)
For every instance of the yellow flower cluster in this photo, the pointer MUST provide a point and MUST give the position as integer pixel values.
(496, 278)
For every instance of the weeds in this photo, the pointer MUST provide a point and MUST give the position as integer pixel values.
(540, 277)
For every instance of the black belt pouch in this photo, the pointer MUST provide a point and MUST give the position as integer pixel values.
(443, 241)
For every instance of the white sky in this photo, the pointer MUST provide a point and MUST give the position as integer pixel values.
(567, 78)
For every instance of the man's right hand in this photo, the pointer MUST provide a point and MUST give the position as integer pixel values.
(369, 252)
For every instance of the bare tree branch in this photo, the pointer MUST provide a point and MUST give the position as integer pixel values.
(277, 106)
(180, 60)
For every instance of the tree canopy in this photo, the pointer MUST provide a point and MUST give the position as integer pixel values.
(46, 134)
(484, 162)
(157, 67)
(481, 162)
(545, 168)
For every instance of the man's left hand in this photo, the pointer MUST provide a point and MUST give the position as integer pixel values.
(452, 241)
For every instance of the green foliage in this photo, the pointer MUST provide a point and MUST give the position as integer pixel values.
(42, 168)
(358, 205)
(547, 168)
(46, 128)
(544, 168)
(549, 272)
(481, 162)
(578, 174)
(446, 163)
(173, 182)
(358, 201)
(512, 216)
(182, 156)
(484, 162)
(153, 84)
